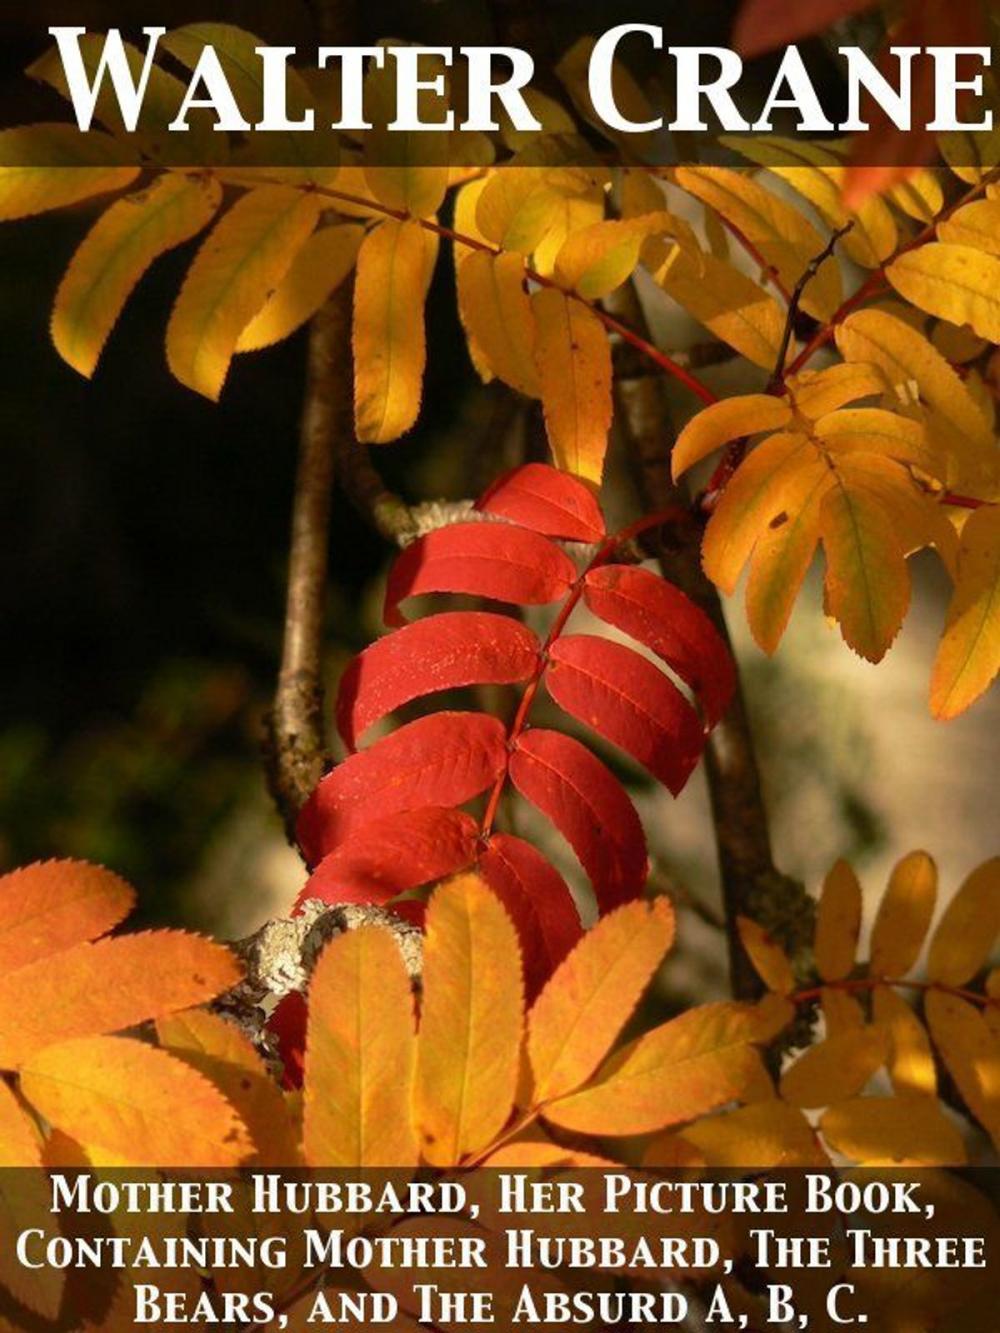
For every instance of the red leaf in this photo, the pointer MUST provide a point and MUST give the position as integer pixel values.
(764, 25)
(657, 614)
(493, 560)
(389, 856)
(548, 501)
(628, 700)
(288, 1027)
(444, 759)
(539, 903)
(440, 653)
(589, 807)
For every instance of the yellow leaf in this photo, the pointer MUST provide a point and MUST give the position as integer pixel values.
(769, 959)
(574, 366)
(676, 1072)
(105, 987)
(728, 303)
(592, 994)
(406, 170)
(530, 1155)
(765, 490)
(957, 344)
(389, 337)
(834, 1069)
(317, 271)
(976, 225)
(838, 922)
(785, 239)
(816, 393)
(781, 560)
(968, 657)
(841, 1012)
(720, 423)
(893, 1131)
(53, 166)
(971, 1054)
(243, 259)
(496, 315)
(867, 584)
(816, 173)
(597, 259)
(131, 1100)
(873, 430)
(471, 1023)
(765, 1135)
(116, 253)
(51, 905)
(919, 196)
(967, 933)
(953, 282)
(572, 213)
(904, 916)
(906, 358)
(517, 207)
(911, 1060)
(219, 1050)
(24, 1203)
(360, 1052)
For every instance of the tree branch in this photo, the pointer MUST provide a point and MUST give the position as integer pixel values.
(295, 748)
(751, 885)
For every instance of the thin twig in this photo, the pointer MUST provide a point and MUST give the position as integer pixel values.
(296, 748)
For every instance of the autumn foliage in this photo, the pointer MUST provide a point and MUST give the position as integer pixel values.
(866, 327)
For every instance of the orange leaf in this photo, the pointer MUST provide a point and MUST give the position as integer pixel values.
(911, 1060)
(769, 959)
(967, 932)
(838, 923)
(24, 1202)
(592, 994)
(574, 366)
(904, 916)
(471, 1023)
(104, 987)
(218, 1049)
(765, 1135)
(679, 1071)
(834, 1069)
(130, 1100)
(360, 1051)
(51, 905)
(893, 1131)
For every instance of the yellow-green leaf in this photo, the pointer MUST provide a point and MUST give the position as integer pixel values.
(954, 282)
(137, 1103)
(592, 994)
(497, 317)
(360, 1053)
(966, 934)
(318, 270)
(116, 253)
(243, 259)
(904, 916)
(389, 337)
(867, 584)
(838, 922)
(769, 959)
(517, 207)
(834, 1069)
(53, 166)
(676, 1072)
(574, 366)
(893, 1131)
(968, 657)
(720, 423)
(471, 1025)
